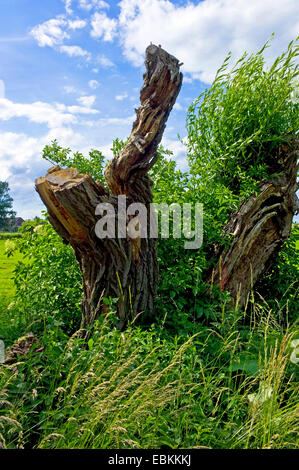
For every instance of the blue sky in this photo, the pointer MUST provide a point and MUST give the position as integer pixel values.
(72, 70)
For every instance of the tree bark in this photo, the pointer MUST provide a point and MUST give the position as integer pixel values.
(123, 268)
(259, 228)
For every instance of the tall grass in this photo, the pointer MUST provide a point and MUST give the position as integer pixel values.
(224, 386)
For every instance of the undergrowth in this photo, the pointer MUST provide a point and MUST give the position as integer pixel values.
(222, 386)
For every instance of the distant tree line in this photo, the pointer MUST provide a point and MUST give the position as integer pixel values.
(7, 214)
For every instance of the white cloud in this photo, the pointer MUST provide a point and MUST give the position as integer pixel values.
(75, 51)
(187, 79)
(179, 152)
(103, 27)
(38, 112)
(53, 32)
(53, 115)
(69, 89)
(177, 107)
(77, 24)
(50, 33)
(82, 110)
(2, 89)
(21, 164)
(111, 121)
(101, 4)
(86, 101)
(68, 4)
(89, 4)
(19, 148)
(201, 34)
(93, 84)
(104, 61)
(121, 97)
(95, 70)
(66, 136)
(19, 159)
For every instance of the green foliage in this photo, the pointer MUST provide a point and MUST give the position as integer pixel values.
(94, 165)
(6, 201)
(48, 280)
(9, 235)
(234, 127)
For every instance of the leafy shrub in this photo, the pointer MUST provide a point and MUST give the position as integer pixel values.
(93, 165)
(48, 281)
(235, 126)
(9, 235)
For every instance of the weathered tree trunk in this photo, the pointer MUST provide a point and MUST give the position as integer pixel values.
(259, 228)
(125, 268)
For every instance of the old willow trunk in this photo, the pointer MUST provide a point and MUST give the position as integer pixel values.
(122, 267)
(259, 227)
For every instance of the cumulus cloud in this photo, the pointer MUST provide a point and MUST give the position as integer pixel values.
(121, 97)
(53, 32)
(104, 61)
(179, 152)
(93, 84)
(38, 112)
(50, 33)
(21, 164)
(89, 4)
(75, 51)
(2, 89)
(113, 121)
(68, 4)
(19, 156)
(53, 115)
(26, 147)
(201, 34)
(77, 24)
(69, 89)
(177, 107)
(86, 101)
(103, 27)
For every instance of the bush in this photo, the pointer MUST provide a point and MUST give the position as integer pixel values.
(9, 235)
(48, 281)
(235, 126)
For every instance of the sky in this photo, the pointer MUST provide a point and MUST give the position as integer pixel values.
(72, 70)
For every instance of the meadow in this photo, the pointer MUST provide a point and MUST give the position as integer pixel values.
(7, 266)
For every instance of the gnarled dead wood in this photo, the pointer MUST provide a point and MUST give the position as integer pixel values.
(118, 267)
(259, 228)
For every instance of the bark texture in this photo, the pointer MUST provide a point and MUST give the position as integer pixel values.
(125, 268)
(259, 228)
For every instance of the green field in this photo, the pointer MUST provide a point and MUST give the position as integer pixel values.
(7, 266)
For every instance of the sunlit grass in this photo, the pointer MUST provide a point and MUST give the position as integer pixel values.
(7, 266)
